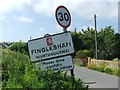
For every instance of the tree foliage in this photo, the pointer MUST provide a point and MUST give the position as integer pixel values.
(82, 54)
(108, 42)
(77, 40)
(116, 51)
(19, 47)
(88, 37)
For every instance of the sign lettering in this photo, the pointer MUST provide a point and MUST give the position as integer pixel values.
(62, 63)
(50, 47)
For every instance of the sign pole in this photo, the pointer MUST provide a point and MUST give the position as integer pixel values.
(63, 18)
(65, 29)
(71, 70)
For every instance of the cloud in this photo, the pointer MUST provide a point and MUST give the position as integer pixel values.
(0, 33)
(82, 8)
(2, 18)
(9, 5)
(40, 33)
(23, 19)
(58, 27)
(42, 29)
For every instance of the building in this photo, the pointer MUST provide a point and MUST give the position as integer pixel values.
(3, 44)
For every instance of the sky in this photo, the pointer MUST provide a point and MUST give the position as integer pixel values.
(22, 19)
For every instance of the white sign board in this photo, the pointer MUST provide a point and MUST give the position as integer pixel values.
(63, 16)
(56, 64)
(49, 47)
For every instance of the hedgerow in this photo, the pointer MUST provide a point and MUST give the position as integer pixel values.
(19, 72)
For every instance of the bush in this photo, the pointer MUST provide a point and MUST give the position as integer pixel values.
(82, 64)
(101, 69)
(108, 70)
(103, 64)
(18, 72)
(81, 54)
(19, 47)
(117, 72)
(105, 69)
(87, 53)
(92, 66)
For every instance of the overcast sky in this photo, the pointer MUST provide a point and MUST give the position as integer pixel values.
(20, 19)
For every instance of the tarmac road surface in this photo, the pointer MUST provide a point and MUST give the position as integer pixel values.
(96, 79)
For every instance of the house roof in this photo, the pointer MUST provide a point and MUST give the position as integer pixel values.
(4, 45)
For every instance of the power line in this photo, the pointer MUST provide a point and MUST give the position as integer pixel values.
(87, 22)
(108, 4)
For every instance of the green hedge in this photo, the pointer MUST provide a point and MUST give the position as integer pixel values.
(18, 72)
(81, 54)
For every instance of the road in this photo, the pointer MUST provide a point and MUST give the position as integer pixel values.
(96, 79)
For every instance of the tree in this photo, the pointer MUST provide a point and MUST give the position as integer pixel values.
(116, 52)
(19, 47)
(82, 54)
(106, 42)
(88, 37)
(77, 40)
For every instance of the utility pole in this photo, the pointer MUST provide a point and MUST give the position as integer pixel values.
(96, 54)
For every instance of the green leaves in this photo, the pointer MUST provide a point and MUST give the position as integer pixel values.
(82, 54)
(19, 47)
(108, 42)
(18, 72)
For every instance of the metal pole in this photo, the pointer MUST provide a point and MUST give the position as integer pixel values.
(64, 29)
(96, 56)
(71, 70)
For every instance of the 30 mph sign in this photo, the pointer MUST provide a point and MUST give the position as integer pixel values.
(63, 16)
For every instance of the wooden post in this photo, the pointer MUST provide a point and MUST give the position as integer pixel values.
(89, 61)
(96, 54)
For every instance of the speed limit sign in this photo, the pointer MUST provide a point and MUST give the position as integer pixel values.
(63, 16)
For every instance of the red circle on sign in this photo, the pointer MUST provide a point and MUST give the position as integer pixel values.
(68, 13)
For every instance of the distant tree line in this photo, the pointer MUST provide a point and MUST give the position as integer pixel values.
(19, 47)
(108, 43)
